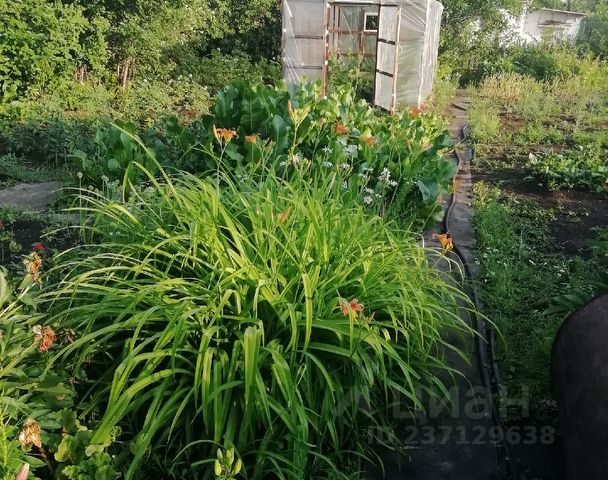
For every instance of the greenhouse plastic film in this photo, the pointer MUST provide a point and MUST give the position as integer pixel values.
(417, 50)
(303, 40)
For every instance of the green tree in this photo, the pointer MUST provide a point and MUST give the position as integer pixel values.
(594, 36)
(460, 14)
(40, 42)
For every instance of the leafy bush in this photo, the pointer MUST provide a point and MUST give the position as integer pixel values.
(38, 424)
(115, 150)
(357, 71)
(537, 61)
(399, 155)
(41, 43)
(49, 140)
(144, 101)
(29, 397)
(257, 315)
(585, 168)
(219, 69)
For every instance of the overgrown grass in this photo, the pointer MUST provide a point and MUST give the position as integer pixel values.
(568, 112)
(444, 90)
(520, 275)
(485, 123)
(16, 169)
(276, 317)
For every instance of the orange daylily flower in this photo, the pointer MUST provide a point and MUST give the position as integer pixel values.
(445, 240)
(46, 336)
(253, 139)
(34, 265)
(341, 129)
(30, 434)
(224, 134)
(416, 111)
(353, 305)
(370, 141)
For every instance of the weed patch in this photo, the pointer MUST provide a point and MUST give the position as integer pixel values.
(521, 273)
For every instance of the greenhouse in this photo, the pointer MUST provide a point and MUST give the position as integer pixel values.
(400, 37)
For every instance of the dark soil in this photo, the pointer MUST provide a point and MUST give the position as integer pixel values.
(25, 235)
(513, 123)
(577, 214)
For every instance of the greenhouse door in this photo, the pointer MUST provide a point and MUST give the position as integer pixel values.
(385, 91)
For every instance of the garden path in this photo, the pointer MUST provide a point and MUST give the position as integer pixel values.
(456, 442)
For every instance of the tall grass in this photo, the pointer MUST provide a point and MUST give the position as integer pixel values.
(276, 319)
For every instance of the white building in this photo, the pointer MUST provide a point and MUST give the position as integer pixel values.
(558, 25)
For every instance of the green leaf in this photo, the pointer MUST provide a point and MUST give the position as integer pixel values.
(113, 165)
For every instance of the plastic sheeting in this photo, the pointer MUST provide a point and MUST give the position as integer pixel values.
(417, 50)
(405, 46)
(304, 40)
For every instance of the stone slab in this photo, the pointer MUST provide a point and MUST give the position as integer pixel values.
(29, 197)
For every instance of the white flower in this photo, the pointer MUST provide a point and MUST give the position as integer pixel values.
(295, 159)
(282, 164)
(345, 185)
(385, 176)
(369, 190)
(393, 183)
(368, 200)
(344, 166)
(79, 174)
(326, 149)
(351, 150)
(328, 164)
